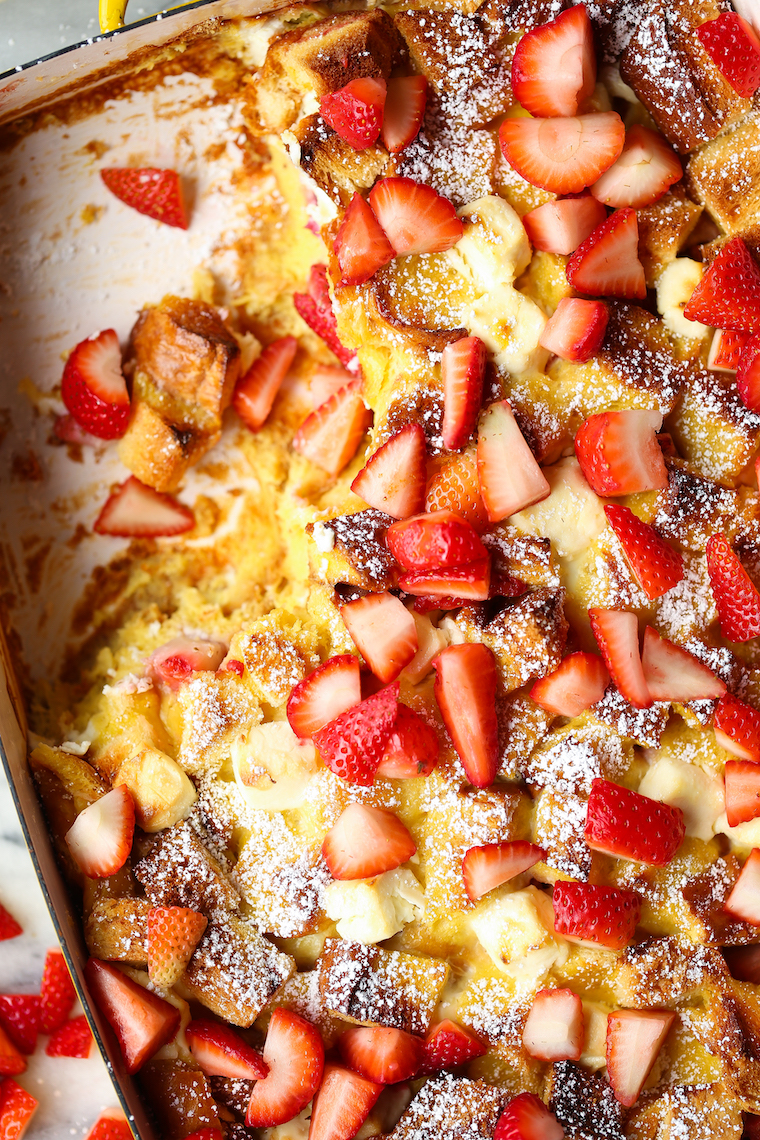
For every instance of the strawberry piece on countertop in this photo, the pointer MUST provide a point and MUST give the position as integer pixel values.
(617, 635)
(607, 263)
(173, 934)
(554, 1029)
(449, 1045)
(72, 1039)
(748, 374)
(564, 155)
(728, 295)
(100, 839)
(379, 1054)
(366, 841)
(57, 992)
(384, 632)
(510, 478)
(415, 218)
(93, 386)
(737, 727)
(21, 1017)
(465, 689)
(619, 453)
(393, 479)
(634, 1039)
(9, 928)
(463, 366)
(577, 683)
(673, 674)
(595, 916)
(294, 1052)
(221, 1052)
(412, 749)
(331, 434)
(344, 1101)
(576, 329)
(110, 1125)
(134, 510)
(352, 745)
(490, 865)
(736, 597)
(656, 565)
(360, 245)
(12, 1061)
(554, 65)
(156, 193)
(332, 689)
(315, 308)
(734, 47)
(631, 826)
(646, 168)
(527, 1118)
(355, 112)
(141, 1020)
(17, 1107)
(404, 111)
(561, 226)
(255, 392)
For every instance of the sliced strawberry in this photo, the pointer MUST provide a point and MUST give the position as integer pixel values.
(331, 435)
(404, 111)
(220, 1052)
(384, 1056)
(509, 477)
(463, 366)
(393, 480)
(360, 245)
(173, 934)
(672, 674)
(725, 350)
(631, 826)
(742, 779)
(343, 1103)
(315, 308)
(294, 1052)
(12, 1061)
(561, 226)
(141, 1020)
(175, 662)
(634, 1039)
(74, 1039)
(355, 112)
(617, 635)
(9, 928)
(646, 168)
(366, 841)
(595, 916)
(728, 295)
(744, 901)
(736, 596)
(554, 1030)
(412, 748)
(17, 1107)
(748, 374)
(57, 992)
(607, 262)
(255, 392)
(564, 155)
(434, 542)
(527, 1118)
(448, 1045)
(656, 566)
(487, 867)
(326, 381)
(93, 386)
(415, 218)
(100, 838)
(352, 745)
(619, 453)
(577, 684)
(734, 47)
(157, 193)
(21, 1017)
(576, 329)
(554, 65)
(737, 727)
(456, 488)
(110, 1125)
(136, 511)
(456, 584)
(465, 688)
(330, 690)
(383, 631)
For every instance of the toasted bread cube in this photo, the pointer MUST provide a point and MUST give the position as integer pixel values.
(714, 430)
(688, 1112)
(277, 651)
(705, 894)
(301, 994)
(78, 777)
(558, 827)
(571, 757)
(725, 176)
(337, 168)
(643, 726)
(584, 1103)
(180, 1096)
(526, 556)
(351, 549)
(179, 871)
(116, 930)
(282, 879)
(664, 229)
(162, 792)
(216, 708)
(522, 725)
(159, 452)
(454, 1107)
(691, 508)
(661, 971)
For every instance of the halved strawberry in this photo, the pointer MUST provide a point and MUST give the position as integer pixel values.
(487, 867)
(574, 686)
(617, 635)
(412, 748)
(9, 928)
(352, 745)
(360, 245)
(656, 566)
(12, 1061)
(463, 366)
(456, 584)
(509, 477)
(393, 479)
(176, 661)
(343, 1103)
(404, 111)
(736, 597)
(332, 689)
(646, 168)
(562, 155)
(726, 349)
(382, 1055)
(554, 1028)
(434, 542)
(744, 901)
(748, 374)
(136, 511)
(100, 839)
(742, 779)
(448, 1045)
(383, 631)
(595, 916)
(607, 262)
(554, 65)
(325, 381)
(93, 386)
(17, 1107)
(141, 1020)
(619, 453)
(157, 193)
(415, 218)
(728, 294)
(455, 487)
(631, 826)
(527, 1118)
(21, 1018)
(110, 1125)
(221, 1052)
(734, 47)
(173, 934)
(74, 1039)
(57, 992)
(331, 435)
(294, 1052)
(561, 226)
(315, 308)
(465, 689)
(737, 727)
(255, 392)
(355, 111)
(634, 1039)
(366, 841)
(673, 674)
(576, 329)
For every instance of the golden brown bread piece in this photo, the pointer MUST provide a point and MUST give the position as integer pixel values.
(558, 826)
(117, 930)
(336, 167)
(179, 871)
(725, 175)
(522, 725)
(180, 1096)
(713, 429)
(687, 1112)
(450, 1108)
(584, 1103)
(664, 229)
(358, 556)
(643, 726)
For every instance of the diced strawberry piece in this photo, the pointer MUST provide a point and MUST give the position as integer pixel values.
(743, 962)
(634, 1039)
(343, 1103)
(404, 111)
(465, 688)
(744, 901)
(9, 928)
(619, 453)
(157, 193)
(355, 112)
(736, 596)
(385, 1056)
(617, 635)
(509, 477)
(457, 584)
(74, 1039)
(434, 542)
(57, 992)
(737, 727)
(742, 779)
(564, 155)
(672, 674)
(352, 745)
(173, 934)
(176, 661)
(734, 48)
(383, 631)
(415, 218)
(725, 350)
(315, 308)
(554, 1030)
(21, 1018)
(141, 1020)
(366, 841)
(456, 488)
(646, 168)
(576, 329)
(607, 262)
(595, 916)
(331, 435)
(527, 1118)
(412, 748)
(136, 511)
(487, 867)
(728, 295)
(255, 392)
(463, 366)
(221, 1052)
(631, 826)
(656, 566)
(294, 1052)
(17, 1107)
(561, 226)
(100, 838)
(360, 245)
(326, 381)
(393, 480)
(110, 1125)
(554, 65)
(448, 1045)
(577, 684)
(93, 386)
(330, 690)
(12, 1062)
(748, 374)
